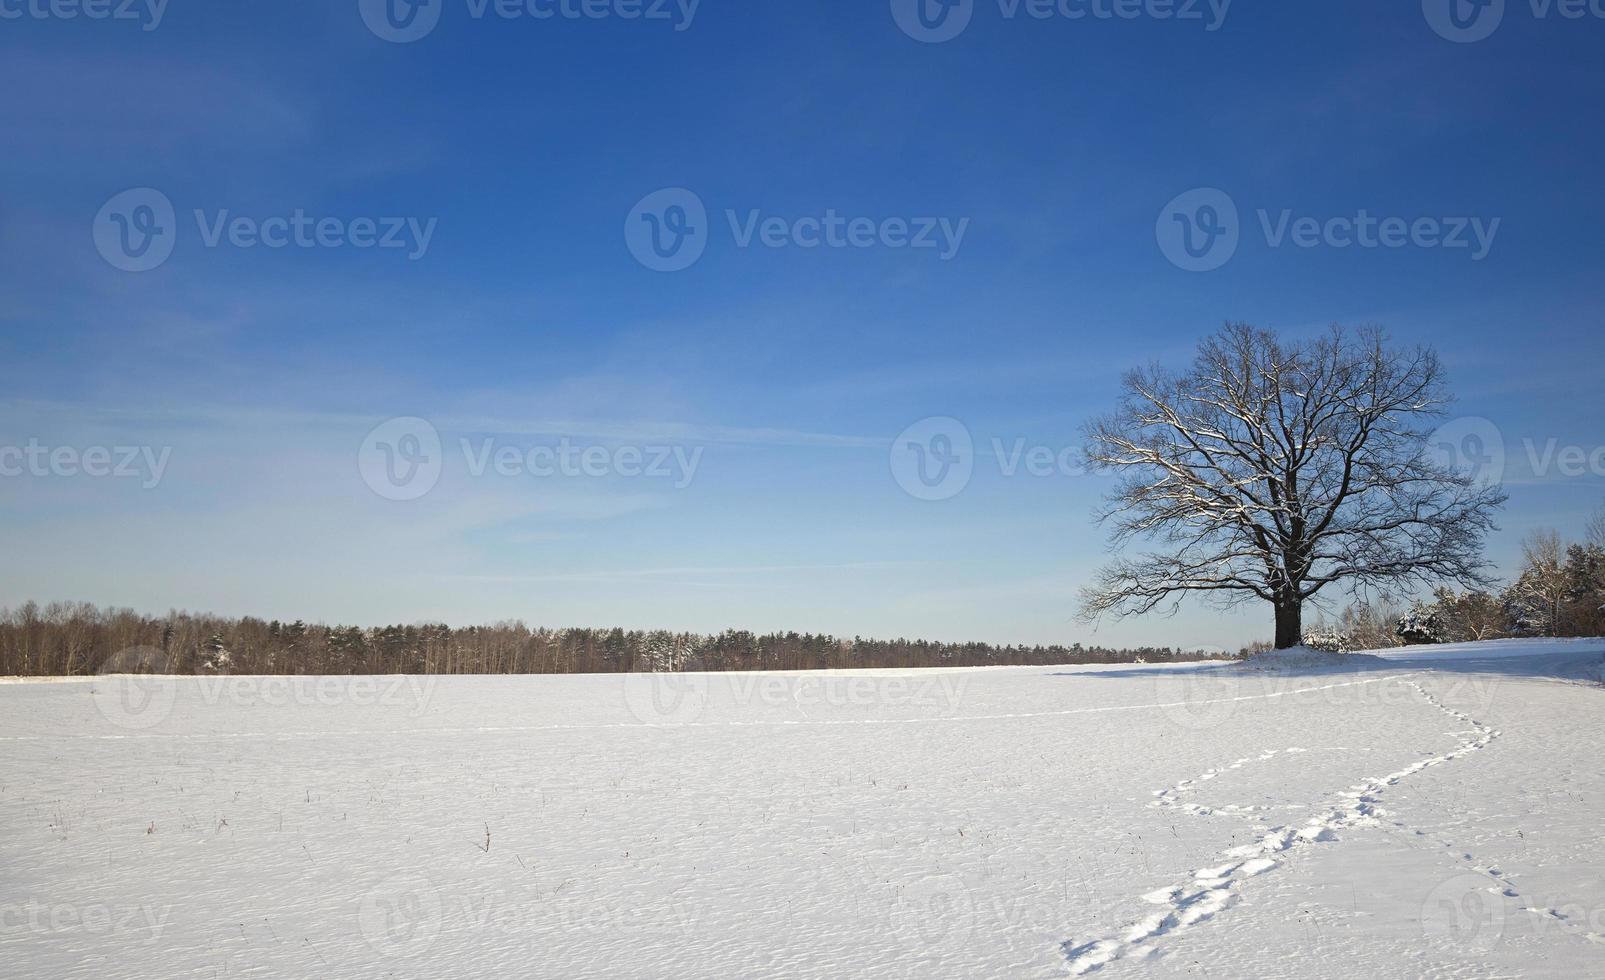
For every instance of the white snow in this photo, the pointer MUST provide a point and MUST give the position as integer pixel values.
(1304, 657)
(1426, 811)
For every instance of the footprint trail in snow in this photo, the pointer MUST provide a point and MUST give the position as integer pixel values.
(1209, 891)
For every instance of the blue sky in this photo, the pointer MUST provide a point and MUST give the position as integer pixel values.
(526, 144)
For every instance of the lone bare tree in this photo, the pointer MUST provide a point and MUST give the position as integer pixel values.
(1272, 470)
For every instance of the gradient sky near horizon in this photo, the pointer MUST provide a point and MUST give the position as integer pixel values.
(1060, 143)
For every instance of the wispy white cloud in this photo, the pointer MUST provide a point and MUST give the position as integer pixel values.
(171, 418)
(624, 575)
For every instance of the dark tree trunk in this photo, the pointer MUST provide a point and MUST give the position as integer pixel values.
(1289, 624)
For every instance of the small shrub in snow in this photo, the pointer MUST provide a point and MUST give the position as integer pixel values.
(1327, 640)
(1423, 624)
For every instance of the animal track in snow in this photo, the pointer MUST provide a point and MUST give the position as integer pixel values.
(1212, 890)
(1173, 797)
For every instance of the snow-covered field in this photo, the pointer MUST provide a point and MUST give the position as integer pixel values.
(1422, 813)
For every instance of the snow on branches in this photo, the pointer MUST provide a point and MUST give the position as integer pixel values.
(1273, 469)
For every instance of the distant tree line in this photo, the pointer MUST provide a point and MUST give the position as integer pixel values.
(76, 638)
(1559, 591)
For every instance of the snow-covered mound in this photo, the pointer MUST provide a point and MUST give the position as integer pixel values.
(1302, 657)
(1531, 647)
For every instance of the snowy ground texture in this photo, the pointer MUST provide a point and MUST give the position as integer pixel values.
(1418, 813)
